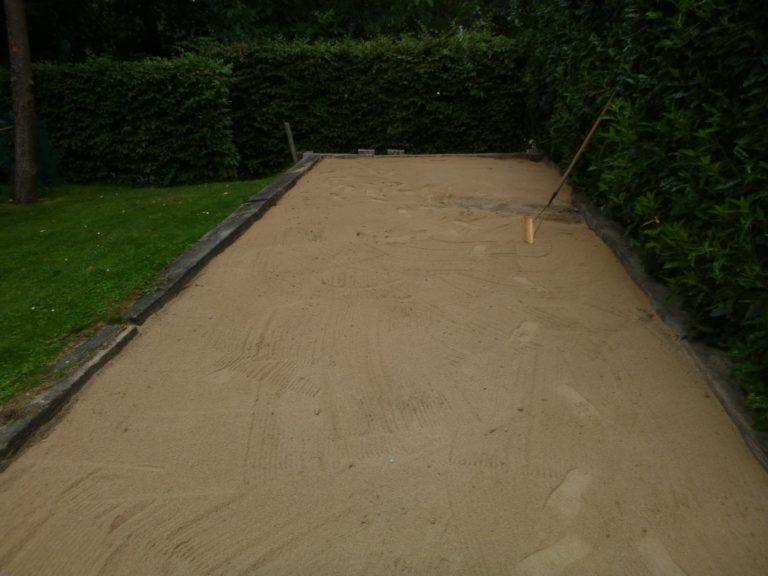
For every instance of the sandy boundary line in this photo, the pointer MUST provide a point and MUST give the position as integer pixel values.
(87, 358)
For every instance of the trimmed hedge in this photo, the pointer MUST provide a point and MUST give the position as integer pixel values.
(156, 121)
(428, 95)
(682, 160)
(170, 121)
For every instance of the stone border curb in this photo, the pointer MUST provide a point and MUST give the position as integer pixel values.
(175, 276)
(532, 156)
(91, 355)
(86, 359)
(712, 363)
(287, 180)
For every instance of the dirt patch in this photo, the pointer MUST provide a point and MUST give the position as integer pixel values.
(380, 377)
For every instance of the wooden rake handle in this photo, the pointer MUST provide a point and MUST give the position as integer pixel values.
(578, 155)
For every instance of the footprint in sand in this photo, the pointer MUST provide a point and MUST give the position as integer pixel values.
(376, 195)
(221, 376)
(554, 559)
(567, 498)
(526, 283)
(525, 332)
(580, 406)
(562, 506)
(449, 566)
(479, 251)
(657, 559)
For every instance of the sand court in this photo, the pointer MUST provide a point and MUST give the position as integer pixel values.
(380, 377)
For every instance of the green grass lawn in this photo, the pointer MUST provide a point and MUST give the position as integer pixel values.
(74, 259)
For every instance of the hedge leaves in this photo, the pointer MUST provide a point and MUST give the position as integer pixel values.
(157, 121)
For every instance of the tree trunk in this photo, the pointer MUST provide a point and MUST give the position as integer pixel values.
(22, 91)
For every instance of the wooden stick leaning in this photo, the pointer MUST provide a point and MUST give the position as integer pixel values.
(291, 145)
(527, 220)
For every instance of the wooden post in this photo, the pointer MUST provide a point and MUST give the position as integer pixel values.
(528, 229)
(292, 146)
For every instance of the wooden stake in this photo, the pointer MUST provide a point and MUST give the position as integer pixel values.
(291, 145)
(528, 228)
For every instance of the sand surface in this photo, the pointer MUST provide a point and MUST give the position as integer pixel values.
(380, 378)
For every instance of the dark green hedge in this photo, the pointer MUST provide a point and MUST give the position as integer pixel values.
(682, 161)
(156, 121)
(427, 95)
(171, 121)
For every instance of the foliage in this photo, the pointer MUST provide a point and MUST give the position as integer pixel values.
(335, 19)
(47, 165)
(680, 161)
(156, 121)
(72, 31)
(134, 29)
(428, 95)
(170, 121)
(72, 259)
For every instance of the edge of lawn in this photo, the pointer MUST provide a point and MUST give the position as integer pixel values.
(76, 367)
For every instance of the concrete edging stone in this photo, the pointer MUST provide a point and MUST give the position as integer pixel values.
(532, 156)
(175, 276)
(85, 361)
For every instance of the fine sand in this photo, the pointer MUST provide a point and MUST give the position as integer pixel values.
(381, 378)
